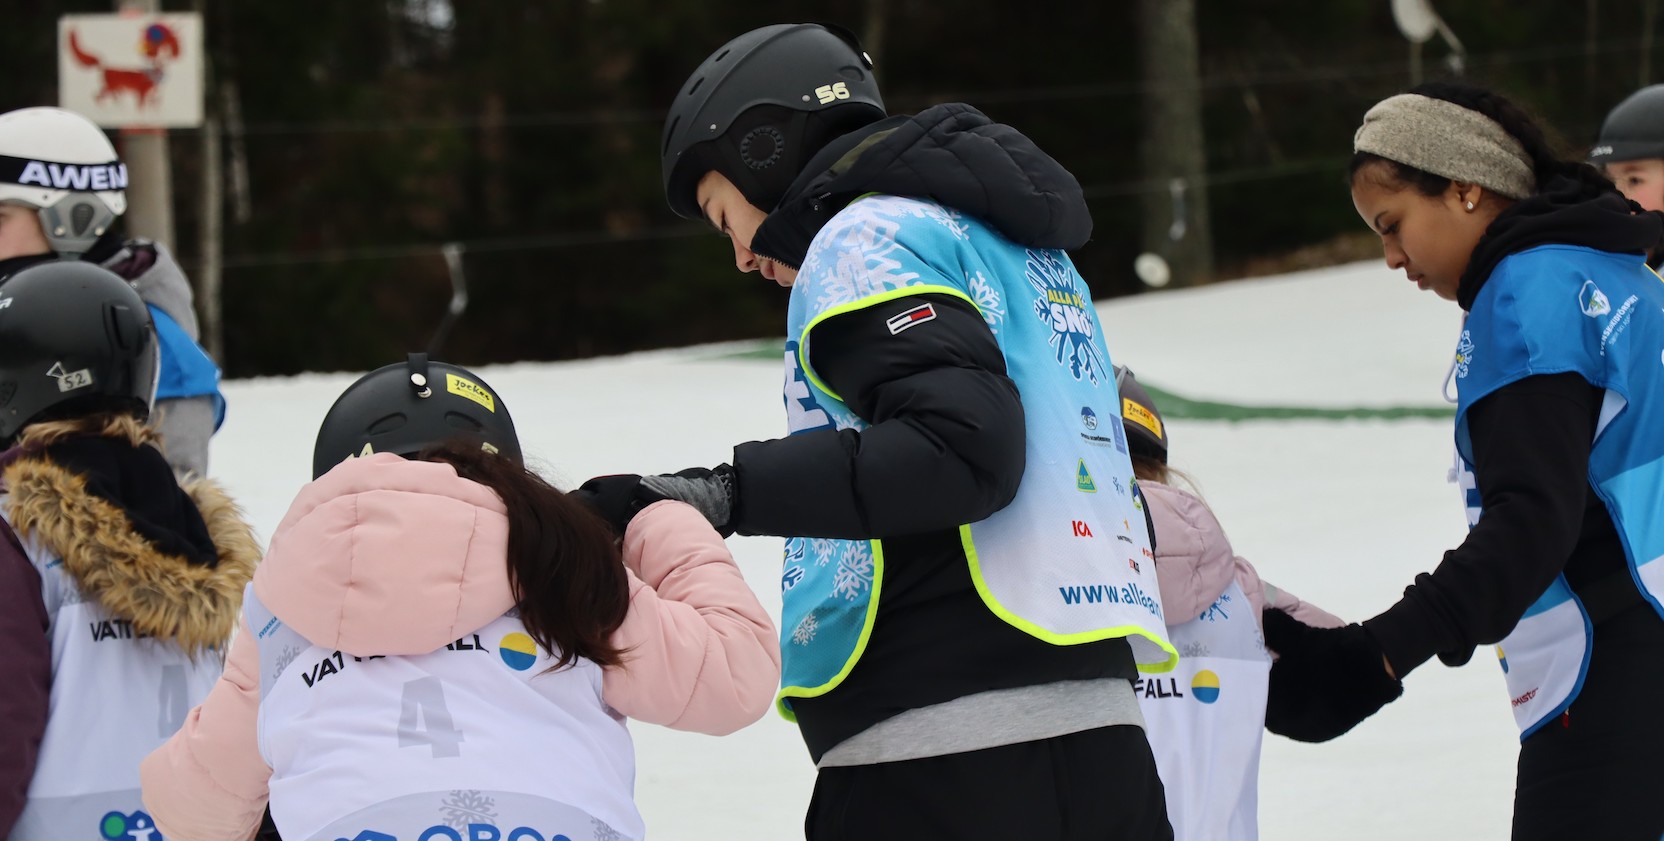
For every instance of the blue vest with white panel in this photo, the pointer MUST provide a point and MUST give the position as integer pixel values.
(1568, 309)
(1066, 561)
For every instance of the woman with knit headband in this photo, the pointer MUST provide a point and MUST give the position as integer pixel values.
(1559, 374)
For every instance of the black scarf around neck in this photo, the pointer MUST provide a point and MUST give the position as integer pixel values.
(1568, 212)
(139, 481)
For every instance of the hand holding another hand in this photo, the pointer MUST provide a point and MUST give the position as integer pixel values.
(1325, 680)
(618, 498)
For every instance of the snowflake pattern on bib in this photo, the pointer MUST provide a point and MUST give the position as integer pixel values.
(466, 806)
(987, 300)
(866, 259)
(1216, 611)
(804, 633)
(855, 567)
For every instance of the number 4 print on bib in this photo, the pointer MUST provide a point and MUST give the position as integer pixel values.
(425, 720)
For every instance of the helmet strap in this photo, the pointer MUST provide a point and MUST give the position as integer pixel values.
(420, 385)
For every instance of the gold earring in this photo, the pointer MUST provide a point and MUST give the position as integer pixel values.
(1470, 207)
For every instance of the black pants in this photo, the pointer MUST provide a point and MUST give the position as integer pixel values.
(1598, 771)
(1095, 785)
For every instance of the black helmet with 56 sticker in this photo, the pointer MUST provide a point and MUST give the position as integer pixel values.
(761, 106)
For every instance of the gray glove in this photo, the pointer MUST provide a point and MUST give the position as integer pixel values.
(712, 491)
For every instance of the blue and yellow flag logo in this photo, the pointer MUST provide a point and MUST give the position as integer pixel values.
(518, 651)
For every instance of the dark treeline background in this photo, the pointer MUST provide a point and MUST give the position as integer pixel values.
(372, 132)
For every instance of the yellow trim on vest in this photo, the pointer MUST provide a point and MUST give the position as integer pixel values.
(1053, 637)
(787, 692)
(863, 303)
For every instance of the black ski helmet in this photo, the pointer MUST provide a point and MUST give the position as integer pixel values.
(758, 108)
(1633, 130)
(74, 338)
(1145, 427)
(408, 406)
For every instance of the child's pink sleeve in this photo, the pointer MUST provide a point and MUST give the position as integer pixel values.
(1300, 609)
(1265, 595)
(208, 782)
(701, 652)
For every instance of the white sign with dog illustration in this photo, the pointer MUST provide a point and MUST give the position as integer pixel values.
(130, 71)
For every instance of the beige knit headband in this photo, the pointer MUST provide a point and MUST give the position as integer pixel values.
(1447, 140)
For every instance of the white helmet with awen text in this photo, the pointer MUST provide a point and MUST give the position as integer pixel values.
(62, 165)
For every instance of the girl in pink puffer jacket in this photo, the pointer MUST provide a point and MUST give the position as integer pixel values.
(1205, 718)
(439, 644)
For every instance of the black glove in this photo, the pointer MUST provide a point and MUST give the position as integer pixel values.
(1325, 680)
(616, 498)
(619, 498)
(268, 830)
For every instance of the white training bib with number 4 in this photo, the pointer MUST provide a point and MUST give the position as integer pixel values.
(478, 740)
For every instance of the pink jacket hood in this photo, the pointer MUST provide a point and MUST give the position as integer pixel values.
(1194, 561)
(386, 556)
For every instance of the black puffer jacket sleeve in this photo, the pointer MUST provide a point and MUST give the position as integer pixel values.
(1531, 444)
(946, 441)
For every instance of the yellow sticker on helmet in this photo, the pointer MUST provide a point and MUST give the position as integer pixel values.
(1141, 416)
(464, 387)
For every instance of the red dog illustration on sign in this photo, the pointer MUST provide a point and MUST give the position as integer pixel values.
(158, 46)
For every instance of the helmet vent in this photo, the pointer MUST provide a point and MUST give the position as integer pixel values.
(80, 218)
(461, 421)
(124, 328)
(670, 134)
(388, 424)
(722, 55)
(695, 86)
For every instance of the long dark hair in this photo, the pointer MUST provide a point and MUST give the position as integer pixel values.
(563, 559)
(1546, 163)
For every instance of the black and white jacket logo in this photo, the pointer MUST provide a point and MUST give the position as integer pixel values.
(911, 318)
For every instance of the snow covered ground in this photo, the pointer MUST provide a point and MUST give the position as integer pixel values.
(1343, 513)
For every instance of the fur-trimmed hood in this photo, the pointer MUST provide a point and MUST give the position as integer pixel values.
(163, 594)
